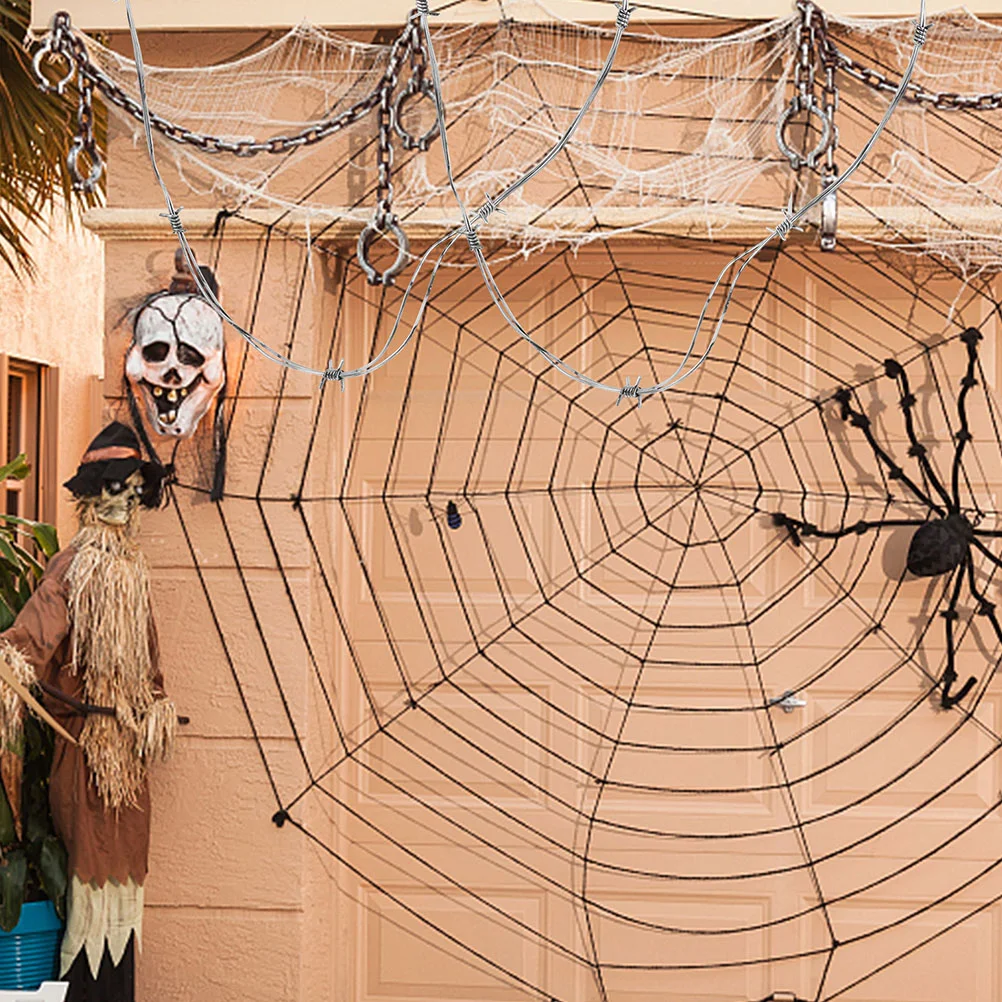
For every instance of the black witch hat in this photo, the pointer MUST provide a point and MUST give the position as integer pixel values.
(110, 459)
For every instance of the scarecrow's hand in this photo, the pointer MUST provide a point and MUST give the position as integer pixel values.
(156, 735)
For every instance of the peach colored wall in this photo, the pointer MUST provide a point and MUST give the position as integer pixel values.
(57, 318)
(237, 910)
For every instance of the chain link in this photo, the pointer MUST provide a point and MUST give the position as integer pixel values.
(62, 43)
(939, 100)
(384, 217)
(418, 86)
(814, 48)
(873, 78)
(829, 104)
(84, 142)
(803, 68)
(829, 204)
(804, 100)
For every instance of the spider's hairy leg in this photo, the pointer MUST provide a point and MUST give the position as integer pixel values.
(985, 608)
(949, 676)
(895, 370)
(997, 561)
(798, 528)
(894, 472)
(970, 337)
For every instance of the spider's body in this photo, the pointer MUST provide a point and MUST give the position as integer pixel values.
(940, 546)
(943, 541)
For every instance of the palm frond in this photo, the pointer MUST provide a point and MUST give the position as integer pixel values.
(36, 132)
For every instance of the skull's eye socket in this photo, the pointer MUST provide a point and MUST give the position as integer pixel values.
(115, 486)
(156, 352)
(187, 355)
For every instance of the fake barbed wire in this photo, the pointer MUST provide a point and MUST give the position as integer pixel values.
(384, 356)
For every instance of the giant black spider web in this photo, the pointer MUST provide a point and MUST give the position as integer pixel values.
(570, 699)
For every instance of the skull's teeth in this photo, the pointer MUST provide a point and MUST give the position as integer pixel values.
(172, 396)
(184, 391)
(171, 415)
(157, 392)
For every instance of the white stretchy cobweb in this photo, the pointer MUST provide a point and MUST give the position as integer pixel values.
(682, 133)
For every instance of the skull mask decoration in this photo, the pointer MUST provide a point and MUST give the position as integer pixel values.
(176, 364)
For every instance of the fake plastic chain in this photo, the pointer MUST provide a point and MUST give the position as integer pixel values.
(63, 43)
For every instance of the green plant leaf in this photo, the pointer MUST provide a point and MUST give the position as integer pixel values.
(52, 876)
(27, 560)
(6, 616)
(45, 536)
(38, 749)
(35, 808)
(13, 877)
(7, 551)
(8, 833)
(17, 469)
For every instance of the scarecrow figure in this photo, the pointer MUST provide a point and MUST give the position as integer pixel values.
(86, 642)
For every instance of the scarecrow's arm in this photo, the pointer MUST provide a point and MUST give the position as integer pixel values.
(26, 653)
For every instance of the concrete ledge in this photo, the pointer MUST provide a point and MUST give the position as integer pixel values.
(425, 225)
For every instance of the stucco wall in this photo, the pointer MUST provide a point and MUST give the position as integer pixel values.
(237, 910)
(58, 319)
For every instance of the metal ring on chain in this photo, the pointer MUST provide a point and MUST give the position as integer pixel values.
(365, 241)
(419, 90)
(796, 158)
(81, 183)
(47, 50)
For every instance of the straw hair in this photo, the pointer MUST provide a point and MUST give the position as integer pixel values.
(109, 606)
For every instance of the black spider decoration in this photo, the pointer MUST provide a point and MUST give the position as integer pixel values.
(943, 540)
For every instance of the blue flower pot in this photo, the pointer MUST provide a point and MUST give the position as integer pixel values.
(29, 954)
